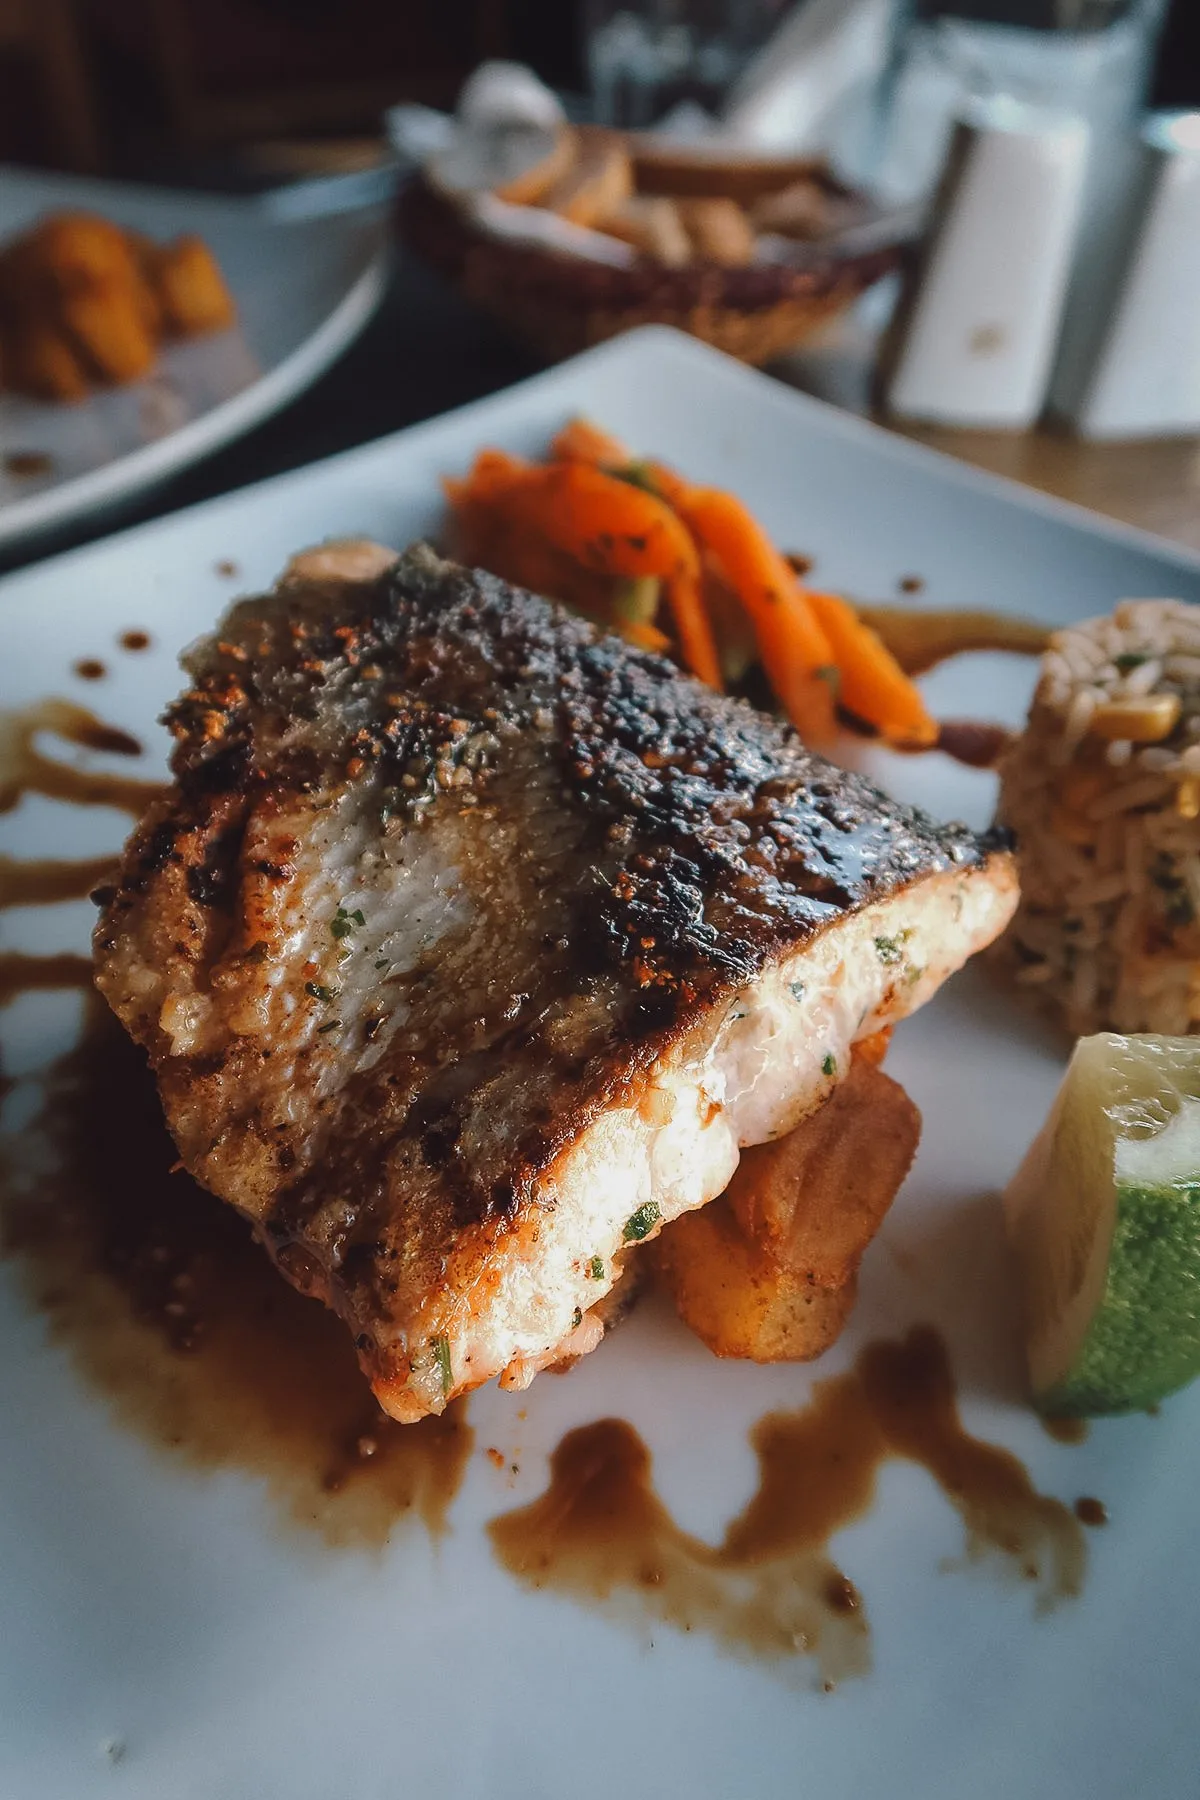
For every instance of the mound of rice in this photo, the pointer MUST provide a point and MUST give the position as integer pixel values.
(1103, 792)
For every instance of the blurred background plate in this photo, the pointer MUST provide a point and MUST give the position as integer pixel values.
(328, 264)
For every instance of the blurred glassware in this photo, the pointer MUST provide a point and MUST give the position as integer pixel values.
(648, 58)
(1087, 57)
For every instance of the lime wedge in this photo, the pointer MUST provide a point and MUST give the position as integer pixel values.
(1104, 1216)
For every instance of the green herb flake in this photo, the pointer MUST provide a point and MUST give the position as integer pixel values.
(829, 1066)
(889, 950)
(1129, 659)
(831, 675)
(385, 962)
(576, 1319)
(320, 993)
(637, 474)
(641, 1223)
(331, 1025)
(441, 1357)
(596, 1268)
(797, 988)
(357, 916)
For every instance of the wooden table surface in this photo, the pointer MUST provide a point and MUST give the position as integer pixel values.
(1153, 483)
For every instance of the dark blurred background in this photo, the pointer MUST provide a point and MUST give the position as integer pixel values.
(165, 88)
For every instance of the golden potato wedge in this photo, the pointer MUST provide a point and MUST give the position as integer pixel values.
(814, 1199)
(39, 361)
(82, 250)
(191, 289)
(104, 325)
(737, 1299)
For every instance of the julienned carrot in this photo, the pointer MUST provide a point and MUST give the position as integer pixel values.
(617, 528)
(581, 441)
(491, 474)
(646, 637)
(610, 526)
(873, 685)
(796, 653)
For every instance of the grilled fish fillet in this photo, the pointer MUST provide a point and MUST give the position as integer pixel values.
(469, 946)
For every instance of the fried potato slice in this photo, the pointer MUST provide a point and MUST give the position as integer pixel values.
(737, 1299)
(813, 1200)
(108, 329)
(38, 360)
(769, 1271)
(191, 289)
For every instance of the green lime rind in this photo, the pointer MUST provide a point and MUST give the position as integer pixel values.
(1144, 1339)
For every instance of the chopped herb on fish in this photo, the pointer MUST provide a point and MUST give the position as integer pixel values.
(641, 1223)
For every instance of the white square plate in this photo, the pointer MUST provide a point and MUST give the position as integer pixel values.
(170, 1614)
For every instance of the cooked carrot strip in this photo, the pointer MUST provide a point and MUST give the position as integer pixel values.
(873, 684)
(796, 653)
(693, 628)
(620, 529)
(646, 637)
(581, 441)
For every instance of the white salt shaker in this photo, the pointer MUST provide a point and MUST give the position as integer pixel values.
(974, 336)
(1129, 363)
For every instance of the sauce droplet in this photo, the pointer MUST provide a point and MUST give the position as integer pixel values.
(135, 640)
(226, 568)
(1065, 1431)
(90, 669)
(601, 1533)
(23, 465)
(911, 584)
(973, 742)
(799, 563)
(1090, 1511)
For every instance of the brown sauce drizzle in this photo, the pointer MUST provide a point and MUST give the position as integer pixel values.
(135, 640)
(24, 770)
(600, 1533)
(171, 1311)
(920, 638)
(1090, 1511)
(911, 584)
(90, 668)
(22, 974)
(46, 881)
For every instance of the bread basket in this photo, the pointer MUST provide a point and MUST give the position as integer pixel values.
(558, 304)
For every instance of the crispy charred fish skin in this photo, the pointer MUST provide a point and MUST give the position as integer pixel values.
(446, 882)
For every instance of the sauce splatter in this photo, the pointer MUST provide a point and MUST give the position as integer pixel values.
(1090, 1511)
(171, 1311)
(90, 668)
(227, 568)
(135, 640)
(24, 770)
(600, 1533)
(799, 563)
(24, 465)
(911, 584)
